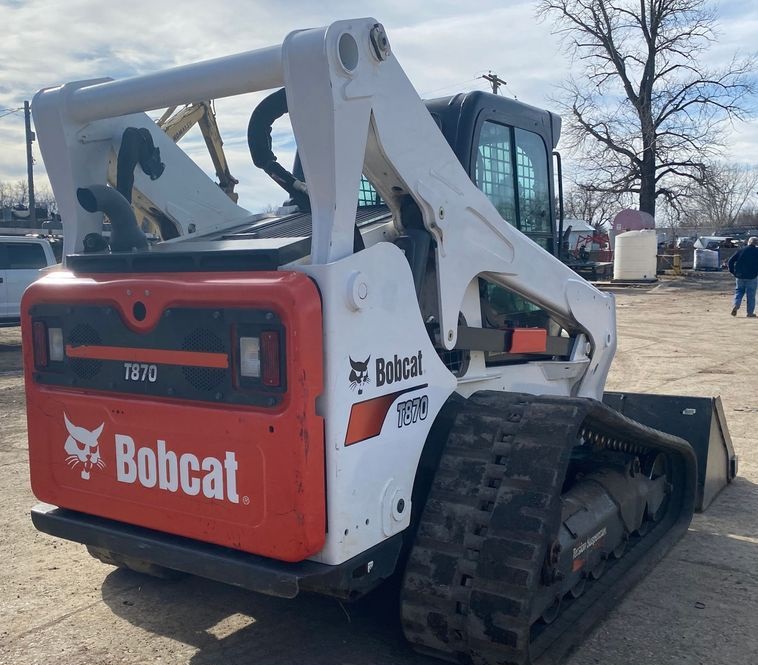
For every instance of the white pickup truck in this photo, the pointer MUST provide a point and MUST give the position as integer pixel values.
(21, 259)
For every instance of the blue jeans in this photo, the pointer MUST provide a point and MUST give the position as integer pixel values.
(745, 287)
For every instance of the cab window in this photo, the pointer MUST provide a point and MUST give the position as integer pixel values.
(533, 179)
(502, 308)
(512, 169)
(367, 195)
(25, 256)
(494, 169)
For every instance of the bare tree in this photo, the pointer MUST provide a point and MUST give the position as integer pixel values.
(723, 195)
(20, 192)
(43, 197)
(582, 201)
(6, 195)
(646, 111)
(17, 194)
(748, 218)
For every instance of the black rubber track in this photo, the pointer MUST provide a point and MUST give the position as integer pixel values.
(494, 506)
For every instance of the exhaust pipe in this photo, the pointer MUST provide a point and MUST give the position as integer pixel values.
(126, 235)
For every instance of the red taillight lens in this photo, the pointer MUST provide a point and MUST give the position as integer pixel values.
(39, 337)
(270, 368)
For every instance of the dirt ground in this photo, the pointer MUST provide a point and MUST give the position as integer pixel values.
(698, 607)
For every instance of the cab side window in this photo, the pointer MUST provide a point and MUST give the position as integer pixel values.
(25, 256)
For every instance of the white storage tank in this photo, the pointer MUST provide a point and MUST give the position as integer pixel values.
(706, 259)
(635, 256)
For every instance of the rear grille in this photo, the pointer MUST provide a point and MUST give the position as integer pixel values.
(193, 330)
(85, 335)
(205, 379)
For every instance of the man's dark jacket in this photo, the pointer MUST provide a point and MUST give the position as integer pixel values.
(744, 264)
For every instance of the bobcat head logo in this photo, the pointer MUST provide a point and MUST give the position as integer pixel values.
(83, 448)
(359, 375)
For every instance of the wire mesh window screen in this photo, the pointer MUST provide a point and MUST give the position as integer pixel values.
(367, 195)
(533, 183)
(494, 169)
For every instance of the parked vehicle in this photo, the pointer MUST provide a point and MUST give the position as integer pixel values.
(21, 259)
(715, 242)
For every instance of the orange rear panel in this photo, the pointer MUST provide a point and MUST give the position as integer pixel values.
(226, 466)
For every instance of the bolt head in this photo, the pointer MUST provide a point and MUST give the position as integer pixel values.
(380, 44)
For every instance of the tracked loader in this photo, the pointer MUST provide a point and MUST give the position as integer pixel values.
(335, 395)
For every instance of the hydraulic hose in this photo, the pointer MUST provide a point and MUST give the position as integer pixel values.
(136, 147)
(259, 141)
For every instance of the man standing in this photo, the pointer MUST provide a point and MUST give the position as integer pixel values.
(744, 266)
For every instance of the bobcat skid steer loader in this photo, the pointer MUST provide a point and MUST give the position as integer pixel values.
(334, 395)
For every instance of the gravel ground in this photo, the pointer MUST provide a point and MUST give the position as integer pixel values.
(699, 606)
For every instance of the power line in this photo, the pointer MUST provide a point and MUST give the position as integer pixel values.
(5, 112)
(447, 87)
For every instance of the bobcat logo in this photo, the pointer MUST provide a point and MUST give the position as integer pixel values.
(83, 448)
(359, 375)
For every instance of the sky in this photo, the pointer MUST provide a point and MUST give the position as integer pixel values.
(444, 47)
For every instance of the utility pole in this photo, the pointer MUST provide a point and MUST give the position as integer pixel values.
(494, 80)
(29, 164)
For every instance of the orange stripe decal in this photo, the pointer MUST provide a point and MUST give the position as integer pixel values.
(157, 356)
(367, 417)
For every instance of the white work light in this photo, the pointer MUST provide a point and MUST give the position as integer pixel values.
(55, 343)
(250, 356)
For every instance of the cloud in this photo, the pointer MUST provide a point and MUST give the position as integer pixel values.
(444, 48)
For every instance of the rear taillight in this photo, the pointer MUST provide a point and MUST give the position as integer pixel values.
(270, 360)
(260, 359)
(39, 341)
(47, 343)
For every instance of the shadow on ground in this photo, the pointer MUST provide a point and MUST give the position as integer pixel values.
(233, 626)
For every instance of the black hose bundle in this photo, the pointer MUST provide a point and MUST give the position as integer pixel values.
(137, 147)
(259, 141)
